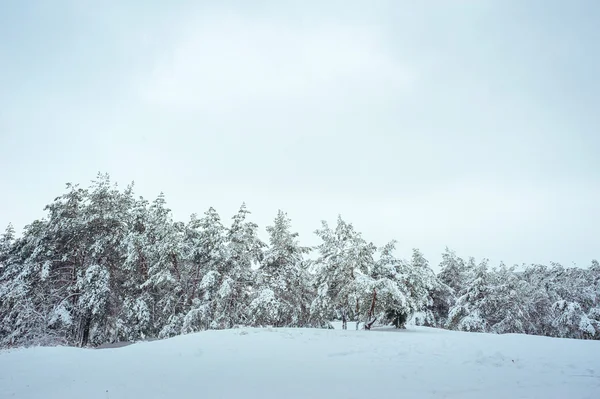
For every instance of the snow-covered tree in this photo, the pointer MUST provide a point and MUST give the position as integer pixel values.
(453, 271)
(231, 282)
(393, 304)
(509, 308)
(283, 292)
(105, 266)
(206, 251)
(343, 281)
(27, 297)
(164, 283)
(469, 312)
(6, 241)
(93, 301)
(570, 321)
(136, 318)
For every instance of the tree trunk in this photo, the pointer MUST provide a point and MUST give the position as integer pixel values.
(357, 314)
(85, 333)
(369, 323)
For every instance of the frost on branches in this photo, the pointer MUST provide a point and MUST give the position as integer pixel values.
(104, 266)
(283, 286)
(352, 283)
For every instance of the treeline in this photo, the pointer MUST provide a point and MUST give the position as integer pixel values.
(105, 266)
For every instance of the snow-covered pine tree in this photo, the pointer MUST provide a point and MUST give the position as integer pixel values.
(282, 296)
(243, 251)
(509, 308)
(441, 300)
(106, 221)
(540, 298)
(6, 241)
(418, 280)
(453, 271)
(93, 305)
(343, 274)
(164, 284)
(421, 280)
(27, 298)
(573, 295)
(205, 251)
(571, 321)
(393, 302)
(469, 312)
(136, 320)
(60, 251)
(594, 311)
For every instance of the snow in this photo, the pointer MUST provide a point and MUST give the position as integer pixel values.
(267, 363)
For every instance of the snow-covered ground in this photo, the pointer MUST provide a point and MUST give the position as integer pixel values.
(310, 363)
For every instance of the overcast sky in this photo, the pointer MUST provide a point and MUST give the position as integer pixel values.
(471, 124)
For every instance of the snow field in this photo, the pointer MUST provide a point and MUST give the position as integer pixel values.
(311, 363)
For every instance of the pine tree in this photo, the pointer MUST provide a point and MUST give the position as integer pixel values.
(593, 313)
(164, 284)
(418, 280)
(206, 250)
(136, 319)
(26, 303)
(509, 309)
(61, 252)
(106, 220)
(453, 271)
(393, 304)
(282, 296)
(469, 312)
(343, 272)
(6, 241)
(243, 250)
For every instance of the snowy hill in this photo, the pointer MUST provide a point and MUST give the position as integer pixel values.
(311, 363)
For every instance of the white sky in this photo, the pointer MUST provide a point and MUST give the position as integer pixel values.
(472, 125)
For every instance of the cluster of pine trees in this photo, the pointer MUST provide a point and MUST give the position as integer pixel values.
(106, 266)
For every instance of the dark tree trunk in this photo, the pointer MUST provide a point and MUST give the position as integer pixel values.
(357, 314)
(371, 314)
(85, 333)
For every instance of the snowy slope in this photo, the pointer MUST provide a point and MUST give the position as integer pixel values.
(310, 363)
